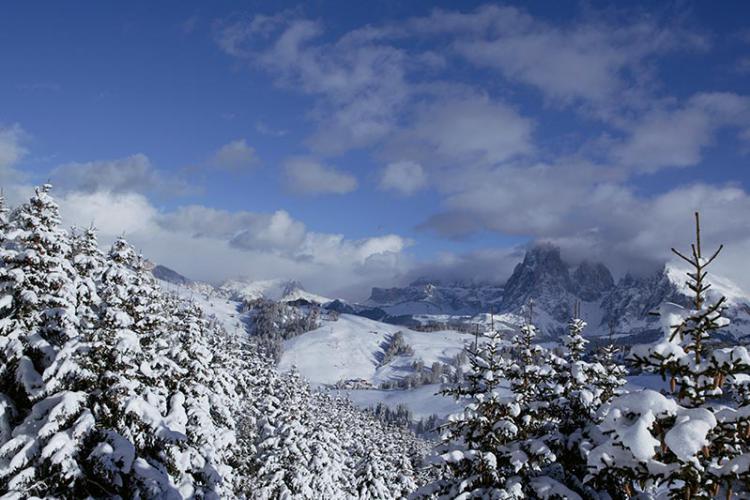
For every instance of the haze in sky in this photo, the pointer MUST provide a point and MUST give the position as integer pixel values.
(352, 144)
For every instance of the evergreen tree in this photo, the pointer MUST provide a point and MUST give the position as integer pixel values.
(583, 387)
(41, 421)
(4, 219)
(128, 452)
(683, 444)
(610, 375)
(209, 427)
(89, 262)
(495, 447)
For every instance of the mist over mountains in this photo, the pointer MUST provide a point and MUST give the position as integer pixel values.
(542, 279)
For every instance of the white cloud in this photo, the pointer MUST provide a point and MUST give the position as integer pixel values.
(576, 207)
(677, 136)
(235, 36)
(263, 128)
(202, 221)
(480, 266)
(133, 173)
(112, 213)
(405, 177)
(11, 150)
(308, 176)
(595, 59)
(359, 85)
(465, 129)
(236, 155)
(278, 230)
(214, 245)
(520, 200)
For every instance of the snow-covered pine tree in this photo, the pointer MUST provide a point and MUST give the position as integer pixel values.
(42, 421)
(687, 443)
(468, 458)
(38, 287)
(575, 343)
(128, 454)
(611, 377)
(382, 461)
(583, 387)
(290, 446)
(4, 218)
(497, 447)
(370, 477)
(534, 382)
(146, 306)
(89, 262)
(207, 452)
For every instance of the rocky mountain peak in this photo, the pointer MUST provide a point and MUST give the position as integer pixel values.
(291, 287)
(541, 273)
(592, 280)
(423, 281)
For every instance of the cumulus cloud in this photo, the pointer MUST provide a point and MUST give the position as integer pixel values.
(113, 214)
(366, 85)
(307, 176)
(263, 128)
(236, 156)
(400, 91)
(490, 160)
(405, 177)
(133, 173)
(276, 231)
(213, 245)
(590, 217)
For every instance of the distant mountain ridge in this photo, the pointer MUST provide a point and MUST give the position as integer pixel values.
(554, 287)
(277, 289)
(542, 278)
(169, 275)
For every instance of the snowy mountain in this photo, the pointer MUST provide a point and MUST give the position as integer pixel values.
(432, 297)
(277, 289)
(629, 305)
(164, 273)
(553, 287)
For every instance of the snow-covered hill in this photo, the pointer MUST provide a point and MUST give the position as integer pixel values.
(348, 353)
(352, 347)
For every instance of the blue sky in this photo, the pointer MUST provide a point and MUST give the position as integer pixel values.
(348, 144)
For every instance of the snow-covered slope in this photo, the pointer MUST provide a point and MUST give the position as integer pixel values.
(422, 401)
(352, 347)
(351, 350)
